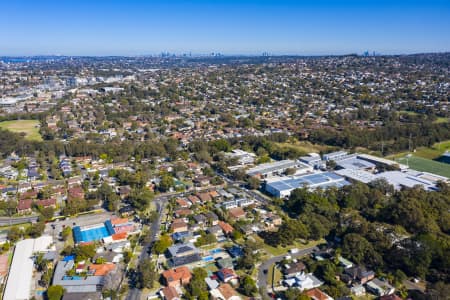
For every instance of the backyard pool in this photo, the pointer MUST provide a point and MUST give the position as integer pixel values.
(208, 258)
(215, 251)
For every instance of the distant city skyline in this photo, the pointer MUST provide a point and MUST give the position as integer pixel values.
(247, 27)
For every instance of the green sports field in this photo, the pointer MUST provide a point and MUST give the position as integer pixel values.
(29, 127)
(426, 165)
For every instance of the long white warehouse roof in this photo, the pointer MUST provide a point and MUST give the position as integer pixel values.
(18, 286)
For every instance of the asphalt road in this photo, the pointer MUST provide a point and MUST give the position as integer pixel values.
(5, 221)
(160, 202)
(83, 220)
(262, 278)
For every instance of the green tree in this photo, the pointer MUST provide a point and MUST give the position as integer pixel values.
(162, 244)
(55, 292)
(66, 233)
(247, 285)
(166, 182)
(197, 286)
(84, 252)
(253, 182)
(147, 274)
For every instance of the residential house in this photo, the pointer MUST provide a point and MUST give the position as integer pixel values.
(75, 193)
(317, 294)
(229, 204)
(226, 228)
(204, 197)
(380, 287)
(183, 203)
(183, 254)
(226, 262)
(183, 212)
(292, 269)
(216, 230)
(236, 213)
(177, 277)
(126, 211)
(357, 274)
(45, 203)
(178, 225)
(213, 219)
(303, 281)
(169, 293)
(194, 199)
(273, 221)
(201, 181)
(225, 292)
(200, 220)
(214, 194)
(179, 250)
(345, 262)
(24, 206)
(227, 275)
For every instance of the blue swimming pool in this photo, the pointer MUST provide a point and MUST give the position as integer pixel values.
(91, 234)
(208, 258)
(215, 251)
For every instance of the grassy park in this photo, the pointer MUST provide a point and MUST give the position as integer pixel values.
(29, 127)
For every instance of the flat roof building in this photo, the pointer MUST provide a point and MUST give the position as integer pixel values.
(18, 286)
(284, 186)
(276, 168)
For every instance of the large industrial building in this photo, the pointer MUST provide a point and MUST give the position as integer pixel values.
(399, 179)
(18, 286)
(277, 168)
(283, 187)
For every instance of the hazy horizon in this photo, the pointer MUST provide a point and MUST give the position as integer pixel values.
(249, 27)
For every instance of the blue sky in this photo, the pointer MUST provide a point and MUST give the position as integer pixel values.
(133, 27)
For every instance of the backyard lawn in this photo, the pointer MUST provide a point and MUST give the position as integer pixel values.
(29, 127)
(275, 251)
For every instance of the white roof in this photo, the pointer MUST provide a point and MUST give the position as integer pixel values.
(18, 286)
(406, 179)
(271, 167)
(358, 175)
(382, 160)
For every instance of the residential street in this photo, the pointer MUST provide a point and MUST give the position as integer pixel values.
(160, 202)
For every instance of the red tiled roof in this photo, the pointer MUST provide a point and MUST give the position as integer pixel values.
(119, 236)
(103, 269)
(117, 221)
(180, 273)
(193, 199)
(316, 294)
(204, 197)
(227, 291)
(183, 212)
(227, 228)
(170, 293)
(46, 202)
(24, 204)
(236, 212)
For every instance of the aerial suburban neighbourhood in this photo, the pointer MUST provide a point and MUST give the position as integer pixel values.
(224, 177)
(224, 150)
